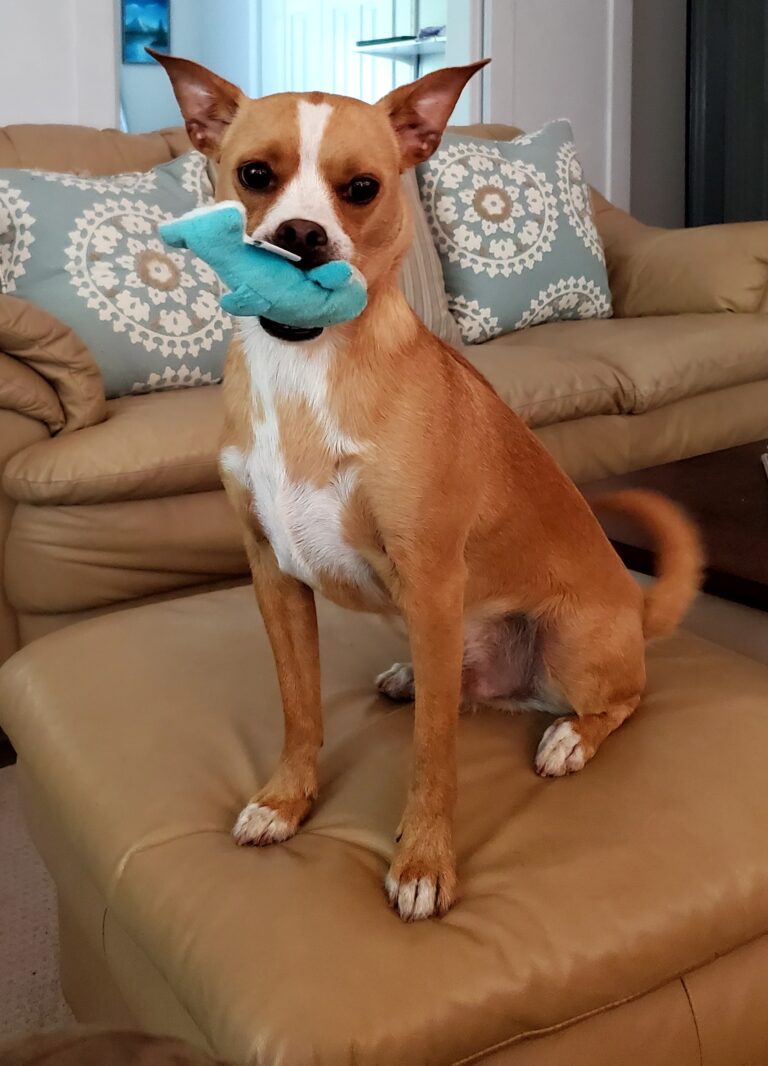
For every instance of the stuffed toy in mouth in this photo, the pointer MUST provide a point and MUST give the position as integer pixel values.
(292, 304)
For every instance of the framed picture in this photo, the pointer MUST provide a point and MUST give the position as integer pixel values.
(146, 23)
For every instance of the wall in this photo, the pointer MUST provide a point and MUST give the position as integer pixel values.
(58, 61)
(658, 111)
(145, 92)
(571, 58)
(464, 44)
(229, 41)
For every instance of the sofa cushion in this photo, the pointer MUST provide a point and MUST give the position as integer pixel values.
(74, 558)
(421, 277)
(578, 895)
(567, 370)
(67, 559)
(160, 444)
(167, 443)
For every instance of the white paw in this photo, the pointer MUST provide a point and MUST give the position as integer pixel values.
(397, 682)
(413, 900)
(560, 751)
(258, 824)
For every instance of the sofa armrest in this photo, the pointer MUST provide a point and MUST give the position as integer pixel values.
(656, 271)
(49, 348)
(18, 431)
(22, 389)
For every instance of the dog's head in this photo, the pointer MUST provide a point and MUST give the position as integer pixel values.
(318, 174)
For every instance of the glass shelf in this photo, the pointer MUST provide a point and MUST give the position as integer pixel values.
(408, 49)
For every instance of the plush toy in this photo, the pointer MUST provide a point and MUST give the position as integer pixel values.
(261, 281)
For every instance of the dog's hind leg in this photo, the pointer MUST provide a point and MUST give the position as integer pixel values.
(498, 663)
(598, 664)
(397, 682)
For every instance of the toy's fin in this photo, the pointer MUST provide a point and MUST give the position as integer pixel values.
(173, 233)
(331, 276)
(244, 301)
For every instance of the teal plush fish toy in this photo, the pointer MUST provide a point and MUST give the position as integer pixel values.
(263, 282)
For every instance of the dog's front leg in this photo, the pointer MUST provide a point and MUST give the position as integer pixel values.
(422, 878)
(288, 609)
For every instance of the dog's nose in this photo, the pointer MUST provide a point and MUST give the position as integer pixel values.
(307, 239)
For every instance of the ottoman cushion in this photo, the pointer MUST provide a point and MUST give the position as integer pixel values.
(607, 895)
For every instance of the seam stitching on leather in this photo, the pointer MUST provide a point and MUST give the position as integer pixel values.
(693, 1017)
(141, 849)
(122, 476)
(556, 399)
(478, 1056)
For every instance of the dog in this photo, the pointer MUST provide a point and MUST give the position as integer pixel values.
(372, 463)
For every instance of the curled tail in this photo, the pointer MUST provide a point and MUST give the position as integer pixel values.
(679, 554)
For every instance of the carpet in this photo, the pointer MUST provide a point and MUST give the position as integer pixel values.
(30, 995)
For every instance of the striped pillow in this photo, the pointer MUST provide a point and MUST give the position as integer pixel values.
(421, 278)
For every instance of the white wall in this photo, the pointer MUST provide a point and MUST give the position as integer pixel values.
(229, 41)
(145, 91)
(658, 112)
(566, 58)
(58, 61)
(464, 44)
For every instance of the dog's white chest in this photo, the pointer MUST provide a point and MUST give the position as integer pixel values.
(303, 521)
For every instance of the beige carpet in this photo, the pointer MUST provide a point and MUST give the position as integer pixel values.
(30, 996)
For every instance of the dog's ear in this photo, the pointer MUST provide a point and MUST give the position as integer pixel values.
(419, 111)
(208, 102)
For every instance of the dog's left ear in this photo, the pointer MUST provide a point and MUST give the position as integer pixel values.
(419, 111)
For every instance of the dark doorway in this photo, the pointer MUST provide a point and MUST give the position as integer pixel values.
(727, 150)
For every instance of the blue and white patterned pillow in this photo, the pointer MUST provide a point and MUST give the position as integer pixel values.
(512, 222)
(87, 250)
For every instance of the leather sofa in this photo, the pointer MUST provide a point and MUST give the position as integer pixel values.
(110, 504)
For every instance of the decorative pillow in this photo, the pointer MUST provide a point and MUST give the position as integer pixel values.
(87, 251)
(513, 224)
(421, 277)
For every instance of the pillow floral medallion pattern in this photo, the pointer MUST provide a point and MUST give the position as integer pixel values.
(163, 299)
(87, 250)
(513, 225)
(15, 235)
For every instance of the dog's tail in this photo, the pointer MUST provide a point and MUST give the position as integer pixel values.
(679, 555)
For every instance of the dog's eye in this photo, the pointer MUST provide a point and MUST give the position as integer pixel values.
(257, 176)
(361, 190)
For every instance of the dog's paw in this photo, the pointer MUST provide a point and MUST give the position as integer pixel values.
(260, 824)
(561, 750)
(397, 682)
(421, 887)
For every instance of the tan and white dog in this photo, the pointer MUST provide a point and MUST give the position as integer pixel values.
(370, 462)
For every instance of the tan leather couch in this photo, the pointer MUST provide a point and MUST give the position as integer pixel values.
(618, 917)
(105, 505)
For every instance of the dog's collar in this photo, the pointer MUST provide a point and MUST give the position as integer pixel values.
(289, 333)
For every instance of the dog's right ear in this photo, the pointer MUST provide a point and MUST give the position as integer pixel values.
(208, 102)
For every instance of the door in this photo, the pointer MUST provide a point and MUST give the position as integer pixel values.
(310, 44)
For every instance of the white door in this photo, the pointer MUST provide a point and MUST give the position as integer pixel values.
(310, 45)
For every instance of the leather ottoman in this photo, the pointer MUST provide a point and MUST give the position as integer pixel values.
(617, 916)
